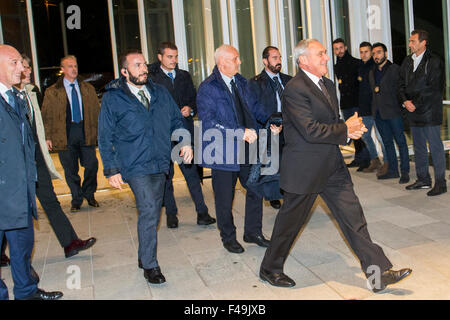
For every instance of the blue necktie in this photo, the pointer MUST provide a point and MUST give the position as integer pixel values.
(171, 76)
(76, 112)
(12, 99)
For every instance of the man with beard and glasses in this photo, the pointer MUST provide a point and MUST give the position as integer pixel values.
(70, 114)
(387, 111)
(346, 70)
(136, 122)
(268, 88)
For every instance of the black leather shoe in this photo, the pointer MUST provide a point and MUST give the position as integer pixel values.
(233, 246)
(205, 219)
(390, 277)
(363, 165)
(276, 279)
(276, 204)
(418, 185)
(404, 178)
(154, 275)
(43, 295)
(259, 240)
(4, 261)
(78, 245)
(353, 164)
(389, 175)
(437, 190)
(93, 203)
(75, 207)
(172, 221)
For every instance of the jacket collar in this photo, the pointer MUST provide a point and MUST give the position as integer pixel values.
(121, 84)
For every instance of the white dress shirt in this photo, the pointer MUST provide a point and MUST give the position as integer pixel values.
(135, 91)
(417, 60)
(313, 78)
(227, 81)
(173, 72)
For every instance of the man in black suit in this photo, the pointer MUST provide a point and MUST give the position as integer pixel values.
(180, 86)
(311, 155)
(268, 88)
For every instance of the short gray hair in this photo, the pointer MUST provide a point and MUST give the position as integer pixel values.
(221, 51)
(301, 49)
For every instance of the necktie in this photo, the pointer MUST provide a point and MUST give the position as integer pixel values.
(278, 86)
(238, 104)
(76, 112)
(171, 76)
(325, 92)
(144, 99)
(29, 108)
(12, 99)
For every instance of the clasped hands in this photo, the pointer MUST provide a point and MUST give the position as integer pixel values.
(355, 127)
(250, 135)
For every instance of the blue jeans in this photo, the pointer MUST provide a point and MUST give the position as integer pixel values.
(390, 130)
(432, 135)
(361, 152)
(148, 191)
(369, 122)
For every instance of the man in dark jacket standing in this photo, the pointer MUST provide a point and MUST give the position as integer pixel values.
(136, 122)
(179, 84)
(268, 88)
(18, 178)
(228, 110)
(346, 70)
(386, 109)
(421, 87)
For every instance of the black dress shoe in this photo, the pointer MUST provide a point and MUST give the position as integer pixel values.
(418, 185)
(437, 190)
(389, 175)
(353, 164)
(363, 165)
(259, 240)
(75, 207)
(43, 295)
(154, 275)
(78, 245)
(233, 246)
(276, 204)
(390, 277)
(93, 203)
(4, 261)
(172, 221)
(205, 219)
(276, 279)
(404, 178)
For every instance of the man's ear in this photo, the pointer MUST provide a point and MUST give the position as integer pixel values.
(124, 72)
(159, 57)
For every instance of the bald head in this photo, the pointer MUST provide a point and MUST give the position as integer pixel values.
(11, 66)
(227, 60)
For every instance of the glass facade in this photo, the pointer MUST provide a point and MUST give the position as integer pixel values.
(399, 30)
(14, 25)
(293, 28)
(342, 23)
(244, 26)
(126, 22)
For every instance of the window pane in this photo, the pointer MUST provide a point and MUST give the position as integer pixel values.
(159, 25)
(399, 30)
(14, 25)
(244, 25)
(216, 23)
(126, 22)
(292, 21)
(342, 21)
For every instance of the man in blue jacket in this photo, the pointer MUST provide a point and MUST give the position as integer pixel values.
(18, 178)
(228, 110)
(136, 122)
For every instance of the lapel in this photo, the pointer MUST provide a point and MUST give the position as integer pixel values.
(318, 93)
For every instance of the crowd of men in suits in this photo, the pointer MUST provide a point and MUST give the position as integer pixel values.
(142, 109)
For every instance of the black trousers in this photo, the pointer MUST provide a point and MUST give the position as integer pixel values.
(224, 183)
(77, 150)
(340, 197)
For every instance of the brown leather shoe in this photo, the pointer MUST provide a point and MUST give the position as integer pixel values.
(375, 164)
(77, 246)
(383, 170)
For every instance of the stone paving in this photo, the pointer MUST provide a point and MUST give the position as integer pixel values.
(413, 230)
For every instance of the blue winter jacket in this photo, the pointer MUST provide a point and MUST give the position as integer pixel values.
(132, 140)
(216, 110)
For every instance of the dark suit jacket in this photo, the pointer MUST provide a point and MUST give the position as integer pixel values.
(264, 89)
(312, 133)
(386, 100)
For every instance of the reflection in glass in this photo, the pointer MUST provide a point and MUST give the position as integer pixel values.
(399, 27)
(244, 25)
(159, 25)
(342, 21)
(14, 25)
(126, 21)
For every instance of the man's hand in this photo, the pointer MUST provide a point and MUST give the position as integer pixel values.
(355, 127)
(250, 135)
(116, 181)
(409, 106)
(49, 145)
(187, 153)
(186, 111)
(276, 130)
